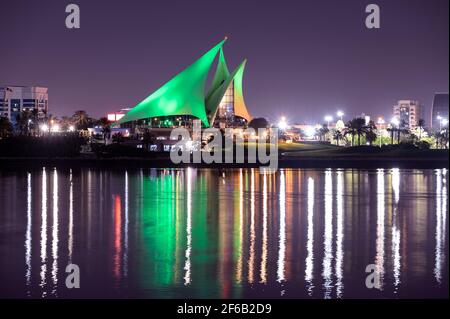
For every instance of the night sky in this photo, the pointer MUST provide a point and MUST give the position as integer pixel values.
(305, 58)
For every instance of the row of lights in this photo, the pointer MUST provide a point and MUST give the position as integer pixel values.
(329, 118)
(55, 128)
(282, 124)
(395, 121)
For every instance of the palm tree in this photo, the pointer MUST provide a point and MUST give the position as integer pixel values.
(402, 129)
(323, 131)
(391, 130)
(370, 133)
(65, 123)
(148, 138)
(23, 120)
(105, 125)
(6, 127)
(337, 135)
(81, 119)
(420, 126)
(357, 127)
(371, 137)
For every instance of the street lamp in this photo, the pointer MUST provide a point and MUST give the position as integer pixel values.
(395, 123)
(282, 124)
(44, 128)
(328, 119)
(340, 114)
(380, 122)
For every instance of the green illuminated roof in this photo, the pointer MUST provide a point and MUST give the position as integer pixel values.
(182, 95)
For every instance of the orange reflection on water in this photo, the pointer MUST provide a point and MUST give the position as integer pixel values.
(117, 236)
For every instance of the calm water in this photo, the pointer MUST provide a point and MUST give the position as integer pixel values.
(224, 234)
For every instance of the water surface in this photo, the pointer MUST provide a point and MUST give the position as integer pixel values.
(197, 233)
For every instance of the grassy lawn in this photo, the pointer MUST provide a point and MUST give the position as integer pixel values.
(302, 147)
(319, 150)
(298, 147)
(369, 152)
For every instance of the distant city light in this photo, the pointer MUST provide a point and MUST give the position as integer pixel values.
(282, 124)
(71, 128)
(380, 120)
(395, 121)
(55, 128)
(328, 119)
(340, 114)
(44, 127)
(444, 122)
(310, 131)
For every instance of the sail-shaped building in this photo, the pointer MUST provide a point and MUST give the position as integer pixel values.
(186, 96)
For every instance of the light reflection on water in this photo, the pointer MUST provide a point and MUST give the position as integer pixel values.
(233, 233)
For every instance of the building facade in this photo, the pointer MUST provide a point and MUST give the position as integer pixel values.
(408, 112)
(439, 109)
(15, 99)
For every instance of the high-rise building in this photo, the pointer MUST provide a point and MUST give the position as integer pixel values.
(439, 109)
(14, 99)
(408, 113)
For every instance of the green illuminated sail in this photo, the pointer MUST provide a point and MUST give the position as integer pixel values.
(221, 75)
(182, 95)
(240, 109)
(213, 100)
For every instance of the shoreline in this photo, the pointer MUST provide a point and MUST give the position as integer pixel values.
(283, 162)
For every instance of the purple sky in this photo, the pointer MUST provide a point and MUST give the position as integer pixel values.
(305, 58)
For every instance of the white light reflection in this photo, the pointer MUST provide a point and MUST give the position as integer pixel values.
(444, 210)
(187, 265)
(328, 235)
(340, 234)
(251, 260)
(70, 244)
(310, 241)
(441, 214)
(282, 234)
(395, 229)
(125, 257)
(43, 273)
(241, 229)
(379, 258)
(55, 239)
(28, 237)
(264, 233)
